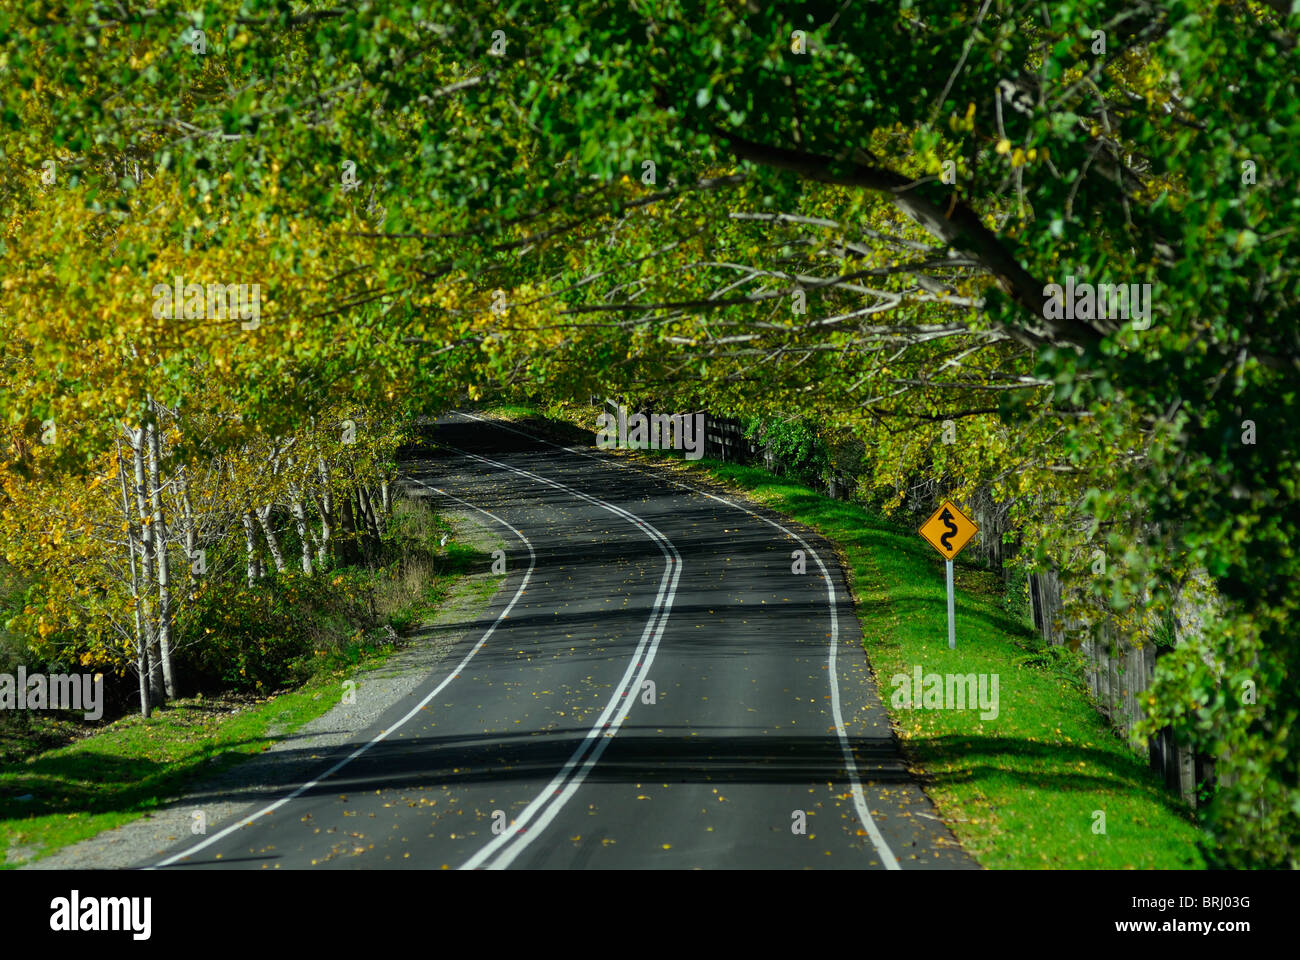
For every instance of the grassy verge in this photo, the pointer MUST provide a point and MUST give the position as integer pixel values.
(1024, 789)
(56, 797)
(72, 793)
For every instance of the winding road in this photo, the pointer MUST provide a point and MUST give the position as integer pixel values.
(654, 686)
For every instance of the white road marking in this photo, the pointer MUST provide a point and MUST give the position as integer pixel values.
(383, 734)
(859, 796)
(547, 804)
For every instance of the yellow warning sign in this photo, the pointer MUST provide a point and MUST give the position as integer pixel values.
(949, 530)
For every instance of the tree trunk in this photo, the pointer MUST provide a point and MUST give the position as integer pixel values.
(141, 646)
(191, 535)
(250, 543)
(360, 530)
(326, 530)
(163, 564)
(147, 550)
(325, 505)
(367, 513)
(300, 522)
(350, 548)
(145, 670)
(272, 539)
(367, 501)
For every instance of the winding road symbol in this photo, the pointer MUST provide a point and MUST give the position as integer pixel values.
(949, 530)
(946, 517)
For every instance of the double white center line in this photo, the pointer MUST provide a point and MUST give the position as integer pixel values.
(507, 846)
(887, 856)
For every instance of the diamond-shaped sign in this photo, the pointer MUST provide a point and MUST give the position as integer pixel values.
(949, 530)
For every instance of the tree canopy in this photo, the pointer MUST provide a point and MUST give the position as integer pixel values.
(847, 212)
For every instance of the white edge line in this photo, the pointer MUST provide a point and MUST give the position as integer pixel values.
(383, 734)
(859, 797)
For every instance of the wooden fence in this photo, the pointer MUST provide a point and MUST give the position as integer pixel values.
(1118, 672)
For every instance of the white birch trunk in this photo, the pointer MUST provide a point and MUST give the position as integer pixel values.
(325, 507)
(156, 690)
(250, 544)
(141, 646)
(272, 540)
(300, 522)
(162, 562)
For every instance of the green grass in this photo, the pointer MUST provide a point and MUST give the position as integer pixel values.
(459, 560)
(1021, 790)
(135, 765)
(512, 411)
(564, 423)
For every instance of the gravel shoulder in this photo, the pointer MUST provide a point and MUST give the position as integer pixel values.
(297, 755)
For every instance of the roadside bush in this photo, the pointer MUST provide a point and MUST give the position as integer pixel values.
(796, 443)
(278, 632)
(253, 639)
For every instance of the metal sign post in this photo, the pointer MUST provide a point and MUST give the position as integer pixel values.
(952, 619)
(949, 530)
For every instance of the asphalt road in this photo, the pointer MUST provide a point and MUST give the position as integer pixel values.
(653, 687)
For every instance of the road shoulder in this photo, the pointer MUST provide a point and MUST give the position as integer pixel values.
(296, 755)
